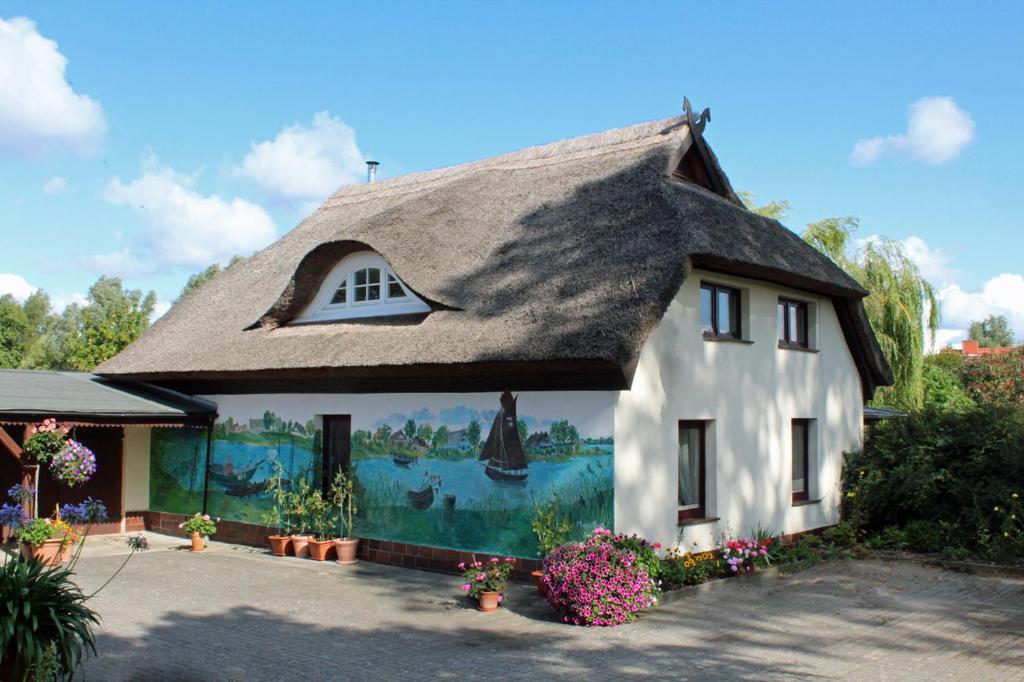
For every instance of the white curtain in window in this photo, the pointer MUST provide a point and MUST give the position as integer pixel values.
(689, 467)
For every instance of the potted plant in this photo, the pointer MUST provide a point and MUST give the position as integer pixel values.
(281, 515)
(300, 517)
(323, 519)
(486, 582)
(49, 540)
(198, 526)
(343, 495)
(552, 530)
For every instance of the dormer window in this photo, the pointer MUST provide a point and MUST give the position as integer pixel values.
(361, 285)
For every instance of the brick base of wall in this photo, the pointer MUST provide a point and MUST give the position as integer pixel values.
(419, 557)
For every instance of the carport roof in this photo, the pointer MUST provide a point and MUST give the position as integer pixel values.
(28, 395)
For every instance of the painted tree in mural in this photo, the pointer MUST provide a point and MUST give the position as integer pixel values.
(473, 433)
(900, 298)
(410, 429)
(564, 433)
(524, 430)
(268, 420)
(425, 432)
(440, 438)
(382, 434)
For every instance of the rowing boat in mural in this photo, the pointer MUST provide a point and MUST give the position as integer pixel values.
(402, 460)
(503, 449)
(219, 473)
(247, 489)
(424, 497)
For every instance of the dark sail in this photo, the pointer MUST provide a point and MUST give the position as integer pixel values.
(503, 449)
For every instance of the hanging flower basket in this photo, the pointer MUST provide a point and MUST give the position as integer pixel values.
(74, 464)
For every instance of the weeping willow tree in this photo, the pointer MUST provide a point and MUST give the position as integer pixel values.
(901, 304)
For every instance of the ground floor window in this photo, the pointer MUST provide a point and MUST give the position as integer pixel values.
(801, 459)
(691, 468)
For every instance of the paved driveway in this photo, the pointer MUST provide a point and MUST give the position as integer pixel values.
(235, 614)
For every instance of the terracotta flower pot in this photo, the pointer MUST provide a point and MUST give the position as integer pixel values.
(300, 543)
(197, 543)
(347, 550)
(488, 601)
(50, 552)
(538, 582)
(279, 544)
(318, 549)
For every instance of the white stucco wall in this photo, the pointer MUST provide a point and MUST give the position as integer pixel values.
(136, 468)
(750, 393)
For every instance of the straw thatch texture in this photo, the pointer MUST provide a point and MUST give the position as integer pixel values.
(566, 252)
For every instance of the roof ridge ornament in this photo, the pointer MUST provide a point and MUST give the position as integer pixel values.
(696, 125)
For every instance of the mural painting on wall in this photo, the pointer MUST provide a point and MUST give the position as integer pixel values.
(464, 475)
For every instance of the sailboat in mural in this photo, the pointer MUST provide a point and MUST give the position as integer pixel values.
(503, 449)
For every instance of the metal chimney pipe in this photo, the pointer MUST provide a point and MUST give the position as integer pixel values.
(371, 170)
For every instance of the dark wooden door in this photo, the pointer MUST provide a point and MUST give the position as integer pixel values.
(105, 485)
(337, 451)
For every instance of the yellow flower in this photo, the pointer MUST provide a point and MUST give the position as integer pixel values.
(1014, 496)
(1006, 535)
(995, 508)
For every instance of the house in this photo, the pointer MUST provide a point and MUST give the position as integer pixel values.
(713, 365)
(973, 349)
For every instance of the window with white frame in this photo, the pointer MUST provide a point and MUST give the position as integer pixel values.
(361, 285)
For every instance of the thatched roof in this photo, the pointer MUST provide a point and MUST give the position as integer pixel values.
(560, 258)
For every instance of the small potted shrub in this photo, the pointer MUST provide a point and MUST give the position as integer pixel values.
(343, 495)
(281, 514)
(552, 530)
(596, 583)
(746, 555)
(323, 517)
(300, 517)
(485, 581)
(197, 527)
(49, 540)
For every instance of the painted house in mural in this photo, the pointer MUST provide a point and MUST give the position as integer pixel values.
(597, 322)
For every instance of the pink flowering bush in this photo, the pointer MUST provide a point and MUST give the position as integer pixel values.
(74, 464)
(746, 555)
(486, 576)
(199, 523)
(594, 582)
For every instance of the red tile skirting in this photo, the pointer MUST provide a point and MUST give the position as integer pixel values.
(424, 558)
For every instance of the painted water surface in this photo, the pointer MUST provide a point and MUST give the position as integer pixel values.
(465, 474)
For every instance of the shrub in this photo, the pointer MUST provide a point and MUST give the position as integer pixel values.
(43, 618)
(551, 528)
(646, 556)
(954, 468)
(924, 536)
(746, 555)
(38, 531)
(596, 583)
(490, 576)
(842, 534)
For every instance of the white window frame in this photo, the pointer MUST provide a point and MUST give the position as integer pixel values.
(320, 309)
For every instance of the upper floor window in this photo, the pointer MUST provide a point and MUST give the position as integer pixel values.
(720, 311)
(361, 285)
(792, 323)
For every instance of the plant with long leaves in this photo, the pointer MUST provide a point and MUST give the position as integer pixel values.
(900, 306)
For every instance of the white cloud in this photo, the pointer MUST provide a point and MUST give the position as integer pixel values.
(1001, 295)
(55, 185)
(16, 285)
(306, 162)
(934, 263)
(61, 301)
(159, 310)
(183, 227)
(38, 108)
(937, 131)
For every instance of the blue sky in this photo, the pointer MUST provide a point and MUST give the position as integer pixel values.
(179, 134)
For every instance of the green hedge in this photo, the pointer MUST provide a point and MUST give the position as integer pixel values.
(956, 472)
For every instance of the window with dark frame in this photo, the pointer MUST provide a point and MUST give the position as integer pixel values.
(691, 470)
(719, 311)
(792, 323)
(801, 460)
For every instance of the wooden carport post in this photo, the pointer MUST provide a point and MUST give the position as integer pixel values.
(27, 472)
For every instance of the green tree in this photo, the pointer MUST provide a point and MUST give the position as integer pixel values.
(14, 329)
(900, 299)
(776, 210)
(198, 279)
(943, 389)
(84, 336)
(473, 433)
(425, 432)
(268, 420)
(440, 438)
(410, 429)
(564, 433)
(992, 332)
(382, 434)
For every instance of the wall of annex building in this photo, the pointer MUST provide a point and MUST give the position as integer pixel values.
(413, 485)
(747, 393)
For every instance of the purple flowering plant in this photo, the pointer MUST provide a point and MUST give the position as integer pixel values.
(87, 511)
(486, 576)
(12, 515)
(595, 582)
(74, 464)
(20, 493)
(746, 555)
